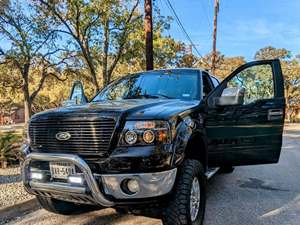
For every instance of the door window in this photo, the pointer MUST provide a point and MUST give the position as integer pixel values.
(257, 82)
(215, 81)
(207, 85)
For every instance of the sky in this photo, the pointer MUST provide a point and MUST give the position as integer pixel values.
(243, 26)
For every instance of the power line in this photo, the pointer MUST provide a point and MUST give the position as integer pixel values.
(182, 27)
(163, 6)
(206, 13)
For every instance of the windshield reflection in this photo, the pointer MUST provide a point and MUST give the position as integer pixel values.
(181, 84)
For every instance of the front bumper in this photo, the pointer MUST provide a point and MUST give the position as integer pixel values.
(100, 189)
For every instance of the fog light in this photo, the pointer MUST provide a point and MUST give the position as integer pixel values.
(133, 186)
(36, 176)
(75, 179)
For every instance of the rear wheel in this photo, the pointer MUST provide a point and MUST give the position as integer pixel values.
(63, 207)
(187, 205)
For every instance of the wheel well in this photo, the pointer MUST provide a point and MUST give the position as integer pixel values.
(197, 149)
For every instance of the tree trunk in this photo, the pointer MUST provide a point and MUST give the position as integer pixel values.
(288, 117)
(105, 77)
(84, 46)
(93, 73)
(26, 94)
(27, 109)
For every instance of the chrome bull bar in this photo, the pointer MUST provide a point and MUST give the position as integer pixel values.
(77, 161)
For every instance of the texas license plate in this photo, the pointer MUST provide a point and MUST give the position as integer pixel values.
(62, 170)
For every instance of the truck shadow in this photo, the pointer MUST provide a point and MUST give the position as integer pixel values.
(123, 219)
(105, 219)
(255, 183)
(100, 217)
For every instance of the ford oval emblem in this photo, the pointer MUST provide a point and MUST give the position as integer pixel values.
(63, 136)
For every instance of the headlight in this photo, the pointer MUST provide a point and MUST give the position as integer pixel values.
(145, 133)
(130, 137)
(148, 136)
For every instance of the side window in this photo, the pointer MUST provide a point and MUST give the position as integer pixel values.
(215, 81)
(257, 82)
(207, 84)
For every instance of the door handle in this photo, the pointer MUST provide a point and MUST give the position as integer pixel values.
(275, 114)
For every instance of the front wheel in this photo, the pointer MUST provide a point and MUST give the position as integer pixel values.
(187, 205)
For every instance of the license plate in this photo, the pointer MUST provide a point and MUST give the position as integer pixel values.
(62, 170)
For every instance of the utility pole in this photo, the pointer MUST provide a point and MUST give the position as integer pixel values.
(149, 34)
(214, 51)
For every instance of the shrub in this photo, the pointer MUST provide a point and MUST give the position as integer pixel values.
(9, 148)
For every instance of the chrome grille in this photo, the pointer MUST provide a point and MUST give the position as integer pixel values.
(88, 137)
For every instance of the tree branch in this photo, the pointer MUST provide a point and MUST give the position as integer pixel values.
(58, 15)
(40, 86)
(123, 40)
(57, 77)
(89, 25)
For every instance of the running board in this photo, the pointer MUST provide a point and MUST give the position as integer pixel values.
(211, 172)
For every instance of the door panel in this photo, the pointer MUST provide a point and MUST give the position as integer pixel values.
(250, 133)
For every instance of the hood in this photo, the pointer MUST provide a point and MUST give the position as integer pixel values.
(130, 108)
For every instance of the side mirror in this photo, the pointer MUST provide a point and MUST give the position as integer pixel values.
(231, 96)
(77, 95)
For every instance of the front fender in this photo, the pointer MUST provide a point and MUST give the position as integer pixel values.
(184, 131)
(140, 159)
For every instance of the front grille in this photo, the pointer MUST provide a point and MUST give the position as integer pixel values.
(88, 137)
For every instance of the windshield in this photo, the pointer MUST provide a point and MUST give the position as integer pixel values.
(181, 84)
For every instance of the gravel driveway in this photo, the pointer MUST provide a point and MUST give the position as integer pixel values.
(251, 195)
(11, 187)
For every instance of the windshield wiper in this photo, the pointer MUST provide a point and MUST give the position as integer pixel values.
(149, 96)
(164, 96)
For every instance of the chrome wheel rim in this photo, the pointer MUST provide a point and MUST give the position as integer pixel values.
(195, 199)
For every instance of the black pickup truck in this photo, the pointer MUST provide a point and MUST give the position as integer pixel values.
(152, 139)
